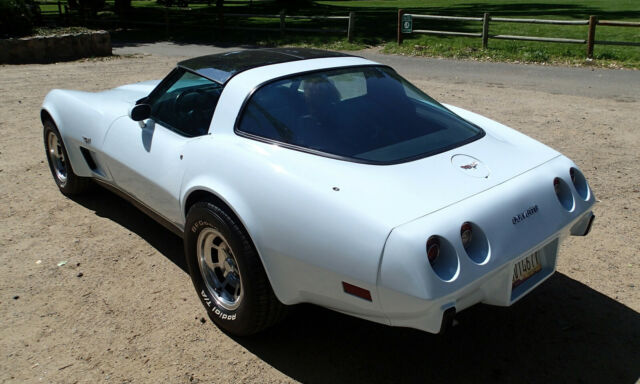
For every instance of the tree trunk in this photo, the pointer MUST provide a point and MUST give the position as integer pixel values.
(220, 11)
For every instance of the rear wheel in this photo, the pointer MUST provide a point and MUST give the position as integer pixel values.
(227, 272)
(68, 182)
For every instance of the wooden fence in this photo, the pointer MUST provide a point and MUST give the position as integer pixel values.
(283, 18)
(63, 12)
(223, 22)
(405, 26)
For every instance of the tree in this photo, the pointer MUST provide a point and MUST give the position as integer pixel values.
(90, 6)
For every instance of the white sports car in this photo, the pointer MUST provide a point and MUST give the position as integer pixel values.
(298, 175)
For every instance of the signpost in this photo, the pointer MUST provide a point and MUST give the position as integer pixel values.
(407, 23)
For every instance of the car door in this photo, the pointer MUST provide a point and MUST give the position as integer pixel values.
(146, 159)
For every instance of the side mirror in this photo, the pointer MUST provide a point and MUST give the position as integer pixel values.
(140, 112)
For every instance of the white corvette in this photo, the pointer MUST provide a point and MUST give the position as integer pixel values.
(299, 175)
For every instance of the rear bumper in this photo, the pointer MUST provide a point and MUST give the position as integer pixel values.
(416, 295)
(494, 288)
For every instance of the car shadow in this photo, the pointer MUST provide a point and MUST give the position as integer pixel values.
(564, 331)
(109, 205)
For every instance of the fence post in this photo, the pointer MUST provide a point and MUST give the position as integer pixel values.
(400, 13)
(485, 30)
(60, 8)
(282, 26)
(352, 21)
(593, 21)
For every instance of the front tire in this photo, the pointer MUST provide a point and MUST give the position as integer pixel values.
(66, 180)
(227, 273)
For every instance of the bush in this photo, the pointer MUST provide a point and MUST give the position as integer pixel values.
(91, 7)
(18, 17)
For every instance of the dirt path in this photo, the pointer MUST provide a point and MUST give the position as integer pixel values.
(623, 85)
(122, 309)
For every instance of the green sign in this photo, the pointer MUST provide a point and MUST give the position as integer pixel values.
(407, 24)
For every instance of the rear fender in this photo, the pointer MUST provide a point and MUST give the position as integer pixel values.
(293, 276)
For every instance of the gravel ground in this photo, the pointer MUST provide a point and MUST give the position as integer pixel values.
(122, 309)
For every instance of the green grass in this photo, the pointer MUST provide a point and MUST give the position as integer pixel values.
(501, 50)
(516, 51)
(376, 25)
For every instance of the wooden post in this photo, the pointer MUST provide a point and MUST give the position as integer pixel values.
(400, 13)
(282, 26)
(352, 23)
(593, 21)
(485, 30)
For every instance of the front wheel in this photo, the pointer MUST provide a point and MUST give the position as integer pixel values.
(68, 182)
(227, 272)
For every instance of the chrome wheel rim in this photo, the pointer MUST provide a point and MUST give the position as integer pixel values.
(219, 269)
(56, 157)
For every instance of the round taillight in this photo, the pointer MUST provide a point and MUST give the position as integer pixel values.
(475, 242)
(433, 249)
(466, 234)
(580, 183)
(443, 258)
(563, 193)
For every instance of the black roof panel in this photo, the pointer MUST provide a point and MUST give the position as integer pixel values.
(221, 67)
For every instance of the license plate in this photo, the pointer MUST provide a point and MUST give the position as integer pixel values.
(525, 268)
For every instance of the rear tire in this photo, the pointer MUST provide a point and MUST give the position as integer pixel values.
(66, 180)
(227, 272)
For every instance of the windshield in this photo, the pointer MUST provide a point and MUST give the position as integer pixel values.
(367, 114)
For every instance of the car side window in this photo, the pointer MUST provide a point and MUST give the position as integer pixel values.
(187, 105)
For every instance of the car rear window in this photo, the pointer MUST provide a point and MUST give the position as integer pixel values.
(366, 114)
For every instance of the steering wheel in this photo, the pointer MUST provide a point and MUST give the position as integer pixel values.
(186, 110)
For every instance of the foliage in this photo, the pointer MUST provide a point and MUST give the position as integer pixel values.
(90, 6)
(58, 31)
(292, 5)
(18, 17)
(173, 3)
(122, 6)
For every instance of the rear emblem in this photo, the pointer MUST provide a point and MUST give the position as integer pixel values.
(473, 165)
(470, 166)
(532, 210)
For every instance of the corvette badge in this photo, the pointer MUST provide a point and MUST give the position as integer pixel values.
(473, 165)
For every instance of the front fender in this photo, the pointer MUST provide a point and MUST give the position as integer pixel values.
(62, 106)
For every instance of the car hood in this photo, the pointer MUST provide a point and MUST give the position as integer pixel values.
(392, 195)
(112, 103)
(122, 98)
(133, 92)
